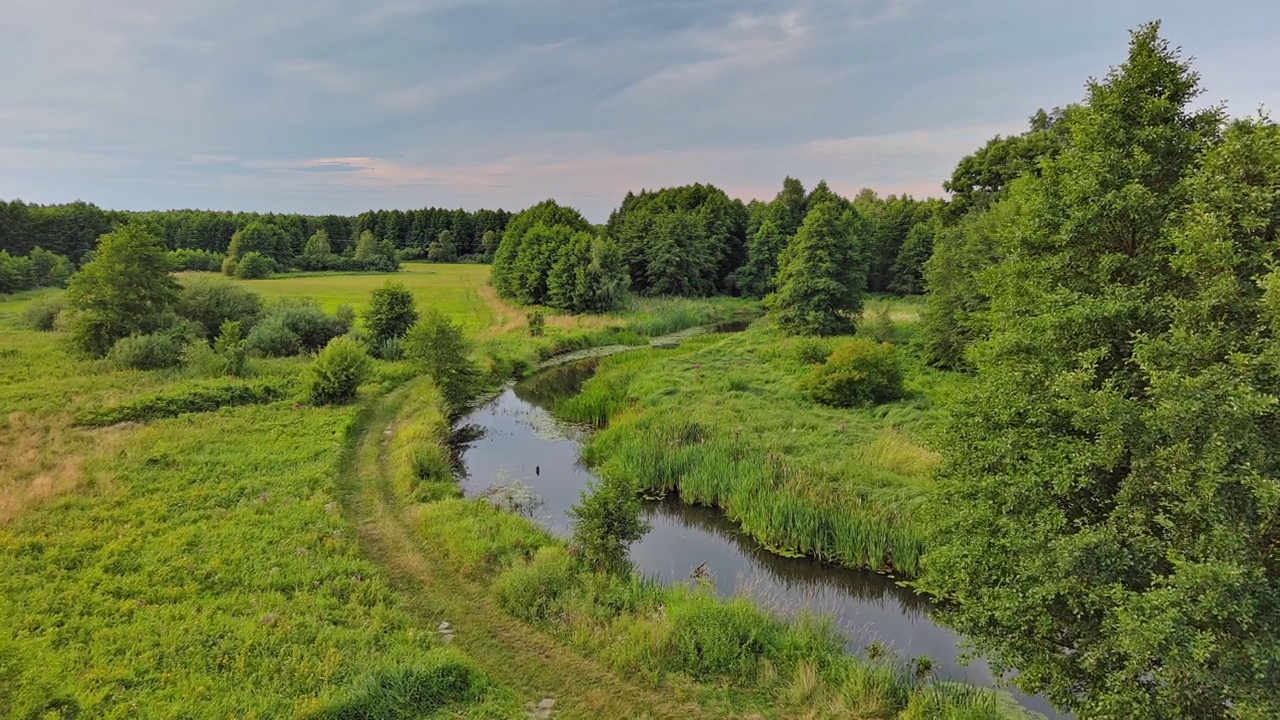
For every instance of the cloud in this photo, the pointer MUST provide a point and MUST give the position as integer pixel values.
(341, 105)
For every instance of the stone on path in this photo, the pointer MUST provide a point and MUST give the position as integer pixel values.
(540, 711)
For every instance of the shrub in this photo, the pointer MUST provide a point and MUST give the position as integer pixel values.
(49, 269)
(810, 351)
(532, 590)
(537, 324)
(391, 312)
(438, 348)
(338, 371)
(292, 326)
(184, 259)
(273, 338)
(147, 352)
(229, 266)
(859, 372)
(231, 348)
(42, 313)
(212, 301)
(254, 266)
(605, 523)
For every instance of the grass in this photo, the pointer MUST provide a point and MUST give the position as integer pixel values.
(722, 421)
(224, 550)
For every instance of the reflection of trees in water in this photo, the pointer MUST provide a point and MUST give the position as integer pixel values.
(557, 383)
(793, 574)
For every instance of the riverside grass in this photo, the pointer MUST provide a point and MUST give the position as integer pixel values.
(722, 421)
(210, 564)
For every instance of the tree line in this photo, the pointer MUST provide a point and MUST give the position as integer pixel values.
(72, 229)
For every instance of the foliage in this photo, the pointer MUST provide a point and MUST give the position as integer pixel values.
(188, 260)
(254, 265)
(42, 314)
(391, 313)
(606, 521)
(858, 372)
(263, 238)
(588, 276)
(153, 351)
(231, 348)
(374, 254)
(983, 177)
(821, 275)
(194, 398)
(293, 325)
(122, 292)
(1106, 520)
(318, 244)
(711, 639)
(533, 591)
(338, 371)
(439, 349)
(537, 324)
(756, 277)
(212, 301)
(680, 241)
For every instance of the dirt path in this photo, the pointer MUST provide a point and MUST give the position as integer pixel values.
(525, 660)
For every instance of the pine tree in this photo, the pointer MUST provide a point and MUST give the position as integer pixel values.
(820, 276)
(1106, 520)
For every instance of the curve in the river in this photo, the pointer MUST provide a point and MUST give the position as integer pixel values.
(513, 436)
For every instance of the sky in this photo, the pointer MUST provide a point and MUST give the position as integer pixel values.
(339, 106)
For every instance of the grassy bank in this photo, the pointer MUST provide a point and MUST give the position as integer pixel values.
(722, 421)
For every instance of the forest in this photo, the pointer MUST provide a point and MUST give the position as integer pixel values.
(1045, 404)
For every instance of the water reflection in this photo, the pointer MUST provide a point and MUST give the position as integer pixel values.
(518, 439)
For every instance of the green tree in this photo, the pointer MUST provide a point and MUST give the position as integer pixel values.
(489, 242)
(391, 312)
(440, 350)
(448, 246)
(588, 276)
(821, 275)
(1106, 520)
(124, 290)
(318, 244)
(264, 238)
(756, 277)
(520, 268)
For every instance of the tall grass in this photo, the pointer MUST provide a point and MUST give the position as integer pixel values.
(720, 421)
(418, 458)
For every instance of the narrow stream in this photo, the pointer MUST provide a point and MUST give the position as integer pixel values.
(514, 437)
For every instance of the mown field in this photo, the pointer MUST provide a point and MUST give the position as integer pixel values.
(263, 557)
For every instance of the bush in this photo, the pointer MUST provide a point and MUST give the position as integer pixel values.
(147, 352)
(212, 301)
(531, 591)
(254, 266)
(273, 338)
(42, 313)
(338, 371)
(186, 260)
(859, 372)
(231, 348)
(17, 273)
(49, 269)
(605, 523)
(292, 326)
(537, 324)
(229, 266)
(810, 351)
(391, 313)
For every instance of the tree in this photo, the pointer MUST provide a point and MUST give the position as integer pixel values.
(756, 277)
(520, 268)
(264, 238)
(489, 243)
(821, 275)
(588, 276)
(391, 312)
(124, 290)
(318, 244)
(1106, 517)
(908, 266)
(448, 246)
(440, 350)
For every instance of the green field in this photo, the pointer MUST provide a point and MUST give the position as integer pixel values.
(275, 559)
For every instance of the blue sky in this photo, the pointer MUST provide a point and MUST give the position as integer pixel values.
(340, 106)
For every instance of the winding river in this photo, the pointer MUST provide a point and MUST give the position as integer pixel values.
(514, 436)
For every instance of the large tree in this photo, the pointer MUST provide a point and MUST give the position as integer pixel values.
(821, 275)
(126, 289)
(1108, 515)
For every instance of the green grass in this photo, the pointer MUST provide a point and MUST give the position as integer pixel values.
(722, 421)
(217, 551)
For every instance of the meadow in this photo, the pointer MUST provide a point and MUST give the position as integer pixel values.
(176, 543)
(723, 421)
